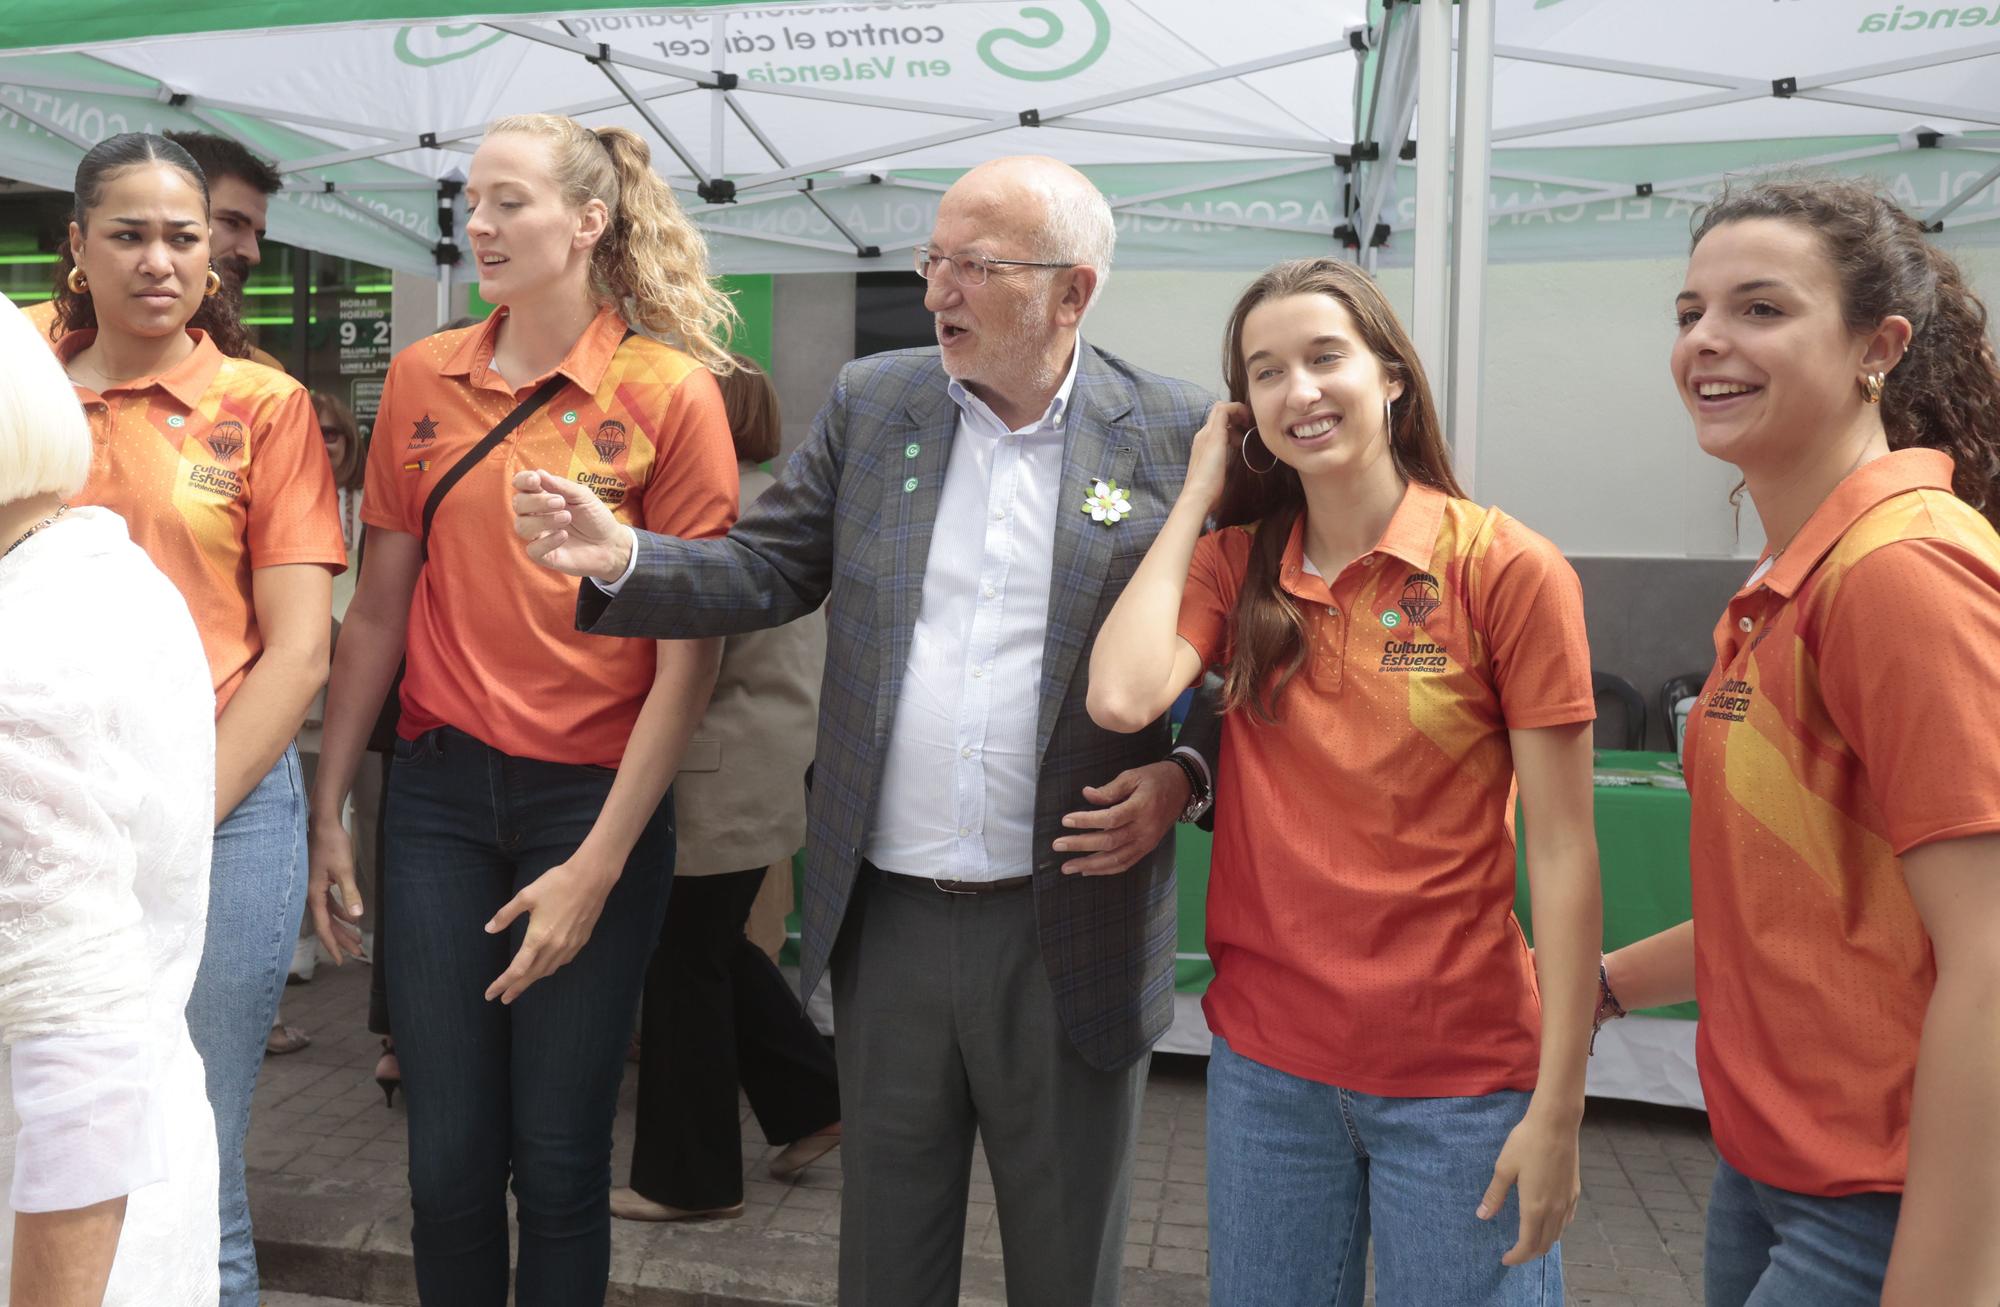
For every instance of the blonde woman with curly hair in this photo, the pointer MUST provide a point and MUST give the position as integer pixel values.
(530, 829)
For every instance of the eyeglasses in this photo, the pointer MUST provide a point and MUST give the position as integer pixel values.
(969, 269)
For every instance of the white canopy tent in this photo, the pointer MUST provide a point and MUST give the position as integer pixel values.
(802, 136)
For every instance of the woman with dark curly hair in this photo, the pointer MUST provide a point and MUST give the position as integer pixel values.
(1845, 945)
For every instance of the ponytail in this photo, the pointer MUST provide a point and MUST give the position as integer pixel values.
(1945, 392)
(654, 261)
(651, 263)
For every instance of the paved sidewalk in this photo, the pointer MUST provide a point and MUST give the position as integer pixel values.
(331, 1206)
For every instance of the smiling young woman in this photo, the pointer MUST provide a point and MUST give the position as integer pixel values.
(1389, 1063)
(530, 829)
(217, 467)
(1845, 946)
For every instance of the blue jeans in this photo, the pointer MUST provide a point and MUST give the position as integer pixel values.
(1301, 1175)
(256, 893)
(526, 1090)
(1770, 1247)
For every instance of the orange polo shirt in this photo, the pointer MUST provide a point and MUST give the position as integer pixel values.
(493, 644)
(1361, 893)
(1848, 720)
(218, 469)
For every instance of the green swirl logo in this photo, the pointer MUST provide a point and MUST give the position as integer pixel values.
(1052, 32)
(428, 47)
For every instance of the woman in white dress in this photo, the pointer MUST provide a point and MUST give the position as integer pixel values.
(107, 795)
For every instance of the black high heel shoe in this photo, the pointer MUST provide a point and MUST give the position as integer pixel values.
(388, 1072)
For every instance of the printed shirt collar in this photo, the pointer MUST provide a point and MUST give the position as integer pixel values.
(585, 364)
(985, 419)
(187, 381)
(1411, 536)
(1865, 487)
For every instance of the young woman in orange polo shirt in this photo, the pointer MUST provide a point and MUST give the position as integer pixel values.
(1395, 657)
(1845, 772)
(530, 831)
(217, 467)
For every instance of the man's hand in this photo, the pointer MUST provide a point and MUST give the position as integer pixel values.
(1134, 812)
(568, 528)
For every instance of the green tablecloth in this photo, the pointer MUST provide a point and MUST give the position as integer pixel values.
(1642, 848)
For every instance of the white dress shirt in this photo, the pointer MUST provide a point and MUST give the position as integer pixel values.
(958, 785)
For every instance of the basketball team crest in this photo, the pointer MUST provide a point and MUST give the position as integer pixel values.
(1420, 597)
(610, 440)
(225, 440)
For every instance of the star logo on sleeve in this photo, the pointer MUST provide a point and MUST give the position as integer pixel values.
(425, 434)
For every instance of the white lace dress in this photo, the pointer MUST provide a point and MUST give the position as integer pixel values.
(107, 797)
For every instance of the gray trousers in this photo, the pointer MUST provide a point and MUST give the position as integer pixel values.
(945, 1026)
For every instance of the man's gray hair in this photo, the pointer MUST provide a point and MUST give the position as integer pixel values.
(1080, 228)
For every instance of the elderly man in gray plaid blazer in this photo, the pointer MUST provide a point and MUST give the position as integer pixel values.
(988, 876)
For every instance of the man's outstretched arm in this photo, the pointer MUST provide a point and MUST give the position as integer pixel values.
(775, 565)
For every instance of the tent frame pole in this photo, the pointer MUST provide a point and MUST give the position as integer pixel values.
(1431, 307)
(1474, 156)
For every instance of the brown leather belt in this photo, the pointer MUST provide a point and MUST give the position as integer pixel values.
(956, 886)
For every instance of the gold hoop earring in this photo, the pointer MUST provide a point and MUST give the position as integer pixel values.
(213, 286)
(1244, 450)
(1871, 387)
(78, 283)
(1388, 417)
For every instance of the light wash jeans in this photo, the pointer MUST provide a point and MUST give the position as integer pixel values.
(1302, 1174)
(256, 893)
(1771, 1247)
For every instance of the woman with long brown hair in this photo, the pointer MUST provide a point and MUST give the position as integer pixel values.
(530, 829)
(1845, 946)
(1396, 658)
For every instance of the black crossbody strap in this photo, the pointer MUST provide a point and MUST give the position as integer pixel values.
(521, 413)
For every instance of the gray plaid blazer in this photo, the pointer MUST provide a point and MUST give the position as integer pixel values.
(849, 524)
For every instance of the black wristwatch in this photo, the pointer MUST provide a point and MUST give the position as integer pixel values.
(1198, 796)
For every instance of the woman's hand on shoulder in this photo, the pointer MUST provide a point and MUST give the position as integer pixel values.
(1214, 445)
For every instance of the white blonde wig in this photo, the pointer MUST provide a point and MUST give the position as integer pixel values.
(44, 437)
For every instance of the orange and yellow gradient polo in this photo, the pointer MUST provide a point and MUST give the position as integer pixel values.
(493, 644)
(1361, 893)
(218, 469)
(1849, 719)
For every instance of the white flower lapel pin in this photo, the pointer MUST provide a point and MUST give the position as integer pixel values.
(1109, 503)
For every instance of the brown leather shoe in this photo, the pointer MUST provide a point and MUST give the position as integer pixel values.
(630, 1205)
(802, 1153)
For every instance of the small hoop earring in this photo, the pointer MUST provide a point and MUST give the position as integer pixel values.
(1244, 449)
(1871, 387)
(78, 283)
(213, 286)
